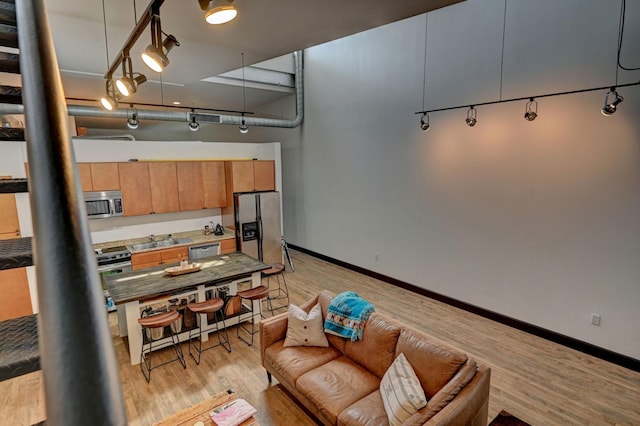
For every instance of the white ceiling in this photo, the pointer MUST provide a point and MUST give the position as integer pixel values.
(264, 29)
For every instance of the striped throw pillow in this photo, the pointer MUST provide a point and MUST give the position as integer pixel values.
(402, 394)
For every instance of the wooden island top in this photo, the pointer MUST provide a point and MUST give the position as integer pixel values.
(153, 282)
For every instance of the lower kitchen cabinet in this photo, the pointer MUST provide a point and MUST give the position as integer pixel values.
(228, 246)
(148, 259)
(16, 298)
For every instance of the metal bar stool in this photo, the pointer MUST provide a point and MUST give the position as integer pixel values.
(258, 293)
(282, 292)
(203, 309)
(154, 322)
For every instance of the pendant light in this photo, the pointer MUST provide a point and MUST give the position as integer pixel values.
(610, 107)
(193, 124)
(424, 122)
(531, 110)
(471, 119)
(132, 118)
(243, 126)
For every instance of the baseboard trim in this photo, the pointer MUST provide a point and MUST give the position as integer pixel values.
(570, 342)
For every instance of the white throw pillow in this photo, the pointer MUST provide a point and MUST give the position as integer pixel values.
(402, 394)
(305, 329)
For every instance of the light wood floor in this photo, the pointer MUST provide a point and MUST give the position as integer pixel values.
(541, 382)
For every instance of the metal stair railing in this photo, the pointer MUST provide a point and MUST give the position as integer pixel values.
(80, 371)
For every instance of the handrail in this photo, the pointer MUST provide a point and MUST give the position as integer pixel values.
(80, 371)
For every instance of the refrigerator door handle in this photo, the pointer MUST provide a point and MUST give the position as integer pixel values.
(259, 220)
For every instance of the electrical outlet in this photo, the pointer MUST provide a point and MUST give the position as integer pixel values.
(595, 319)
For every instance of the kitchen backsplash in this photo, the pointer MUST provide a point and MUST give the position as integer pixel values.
(123, 228)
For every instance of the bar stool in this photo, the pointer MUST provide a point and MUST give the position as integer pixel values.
(203, 309)
(258, 293)
(282, 292)
(159, 321)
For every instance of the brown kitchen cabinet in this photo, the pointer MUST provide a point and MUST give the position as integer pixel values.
(251, 175)
(99, 176)
(152, 258)
(214, 186)
(190, 185)
(136, 188)
(9, 222)
(16, 298)
(227, 246)
(164, 187)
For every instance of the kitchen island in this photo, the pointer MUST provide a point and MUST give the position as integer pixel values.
(153, 286)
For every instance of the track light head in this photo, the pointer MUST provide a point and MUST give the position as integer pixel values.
(220, 12)
(155, 57)
(243, 127)
(127, 85)
(531, 110)
(132, 118)
(110, 99)
(424, 122)
(471, 119)
(610, 108)
(193, 124)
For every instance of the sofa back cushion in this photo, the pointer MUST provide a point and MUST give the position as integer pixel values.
(434, 362)
(377, 349)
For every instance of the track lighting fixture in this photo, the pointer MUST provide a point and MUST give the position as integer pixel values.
(531, 110)
(610, 108)
(132, 118)
(128, 84)
(243, 127)
(471, 117)
(424, 122)
(218, 11)
(193, 124)
(110, 100)
(155, 55)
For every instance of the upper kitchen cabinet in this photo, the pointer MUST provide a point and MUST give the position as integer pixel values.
(213, 180)
(135, 185)
(251, 175)
(190, 185)
(99, 176)
(163, 177)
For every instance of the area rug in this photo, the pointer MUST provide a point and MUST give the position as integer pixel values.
(505, 418)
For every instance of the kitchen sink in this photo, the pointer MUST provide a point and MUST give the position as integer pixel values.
(161, 244)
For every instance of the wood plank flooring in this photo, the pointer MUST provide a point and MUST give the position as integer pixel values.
(539, 381)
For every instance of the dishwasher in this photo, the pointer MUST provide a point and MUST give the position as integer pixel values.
(203, 250)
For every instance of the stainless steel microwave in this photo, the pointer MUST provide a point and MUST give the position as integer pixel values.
(103, 204)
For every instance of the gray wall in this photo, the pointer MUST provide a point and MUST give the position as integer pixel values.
(539, 221)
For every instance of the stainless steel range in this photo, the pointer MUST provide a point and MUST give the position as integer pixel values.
(113, 260)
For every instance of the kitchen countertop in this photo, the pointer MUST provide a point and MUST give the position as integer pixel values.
(154, 282)
(196, 237)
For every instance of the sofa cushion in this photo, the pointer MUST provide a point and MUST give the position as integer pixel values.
(293, 362)
(434, 362)
(402, 394)
(334, 386)
(305, 329)
(377, 349)
(366, 411)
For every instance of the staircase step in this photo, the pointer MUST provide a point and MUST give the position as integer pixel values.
(11, 134)
(10, 62)
(16, 253)
(10, 95)
(13, 186)
(7, 12)
(8, 35)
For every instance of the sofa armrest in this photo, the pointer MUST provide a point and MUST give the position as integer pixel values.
(272, 330)
(470, 406)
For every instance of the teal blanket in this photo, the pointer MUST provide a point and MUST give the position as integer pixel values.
(347, 314)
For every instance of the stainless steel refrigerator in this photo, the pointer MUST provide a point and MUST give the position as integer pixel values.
(258, 227)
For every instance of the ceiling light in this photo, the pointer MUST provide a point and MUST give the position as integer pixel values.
(611, 107)
(193, 124)
(132, 118)
(155, 55)
(219, 11)
(110, 100)
(471, 117)
(424, 122)
(531, 111)
(243, 127)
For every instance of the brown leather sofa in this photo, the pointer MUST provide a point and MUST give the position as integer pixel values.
(340, 384)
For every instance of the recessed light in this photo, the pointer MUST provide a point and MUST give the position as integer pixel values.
(176, 102)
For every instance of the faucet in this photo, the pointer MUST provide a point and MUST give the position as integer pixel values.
(152, 238)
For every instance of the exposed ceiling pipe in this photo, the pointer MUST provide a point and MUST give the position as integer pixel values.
(183, 117)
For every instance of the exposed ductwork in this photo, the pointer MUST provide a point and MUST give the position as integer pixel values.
(184, 117)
